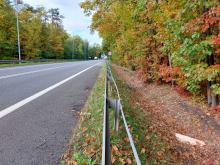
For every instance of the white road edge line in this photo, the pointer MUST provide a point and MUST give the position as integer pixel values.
(25, 73)
(14, 107)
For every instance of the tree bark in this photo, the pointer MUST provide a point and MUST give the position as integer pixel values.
(209, 96)
(214, 100)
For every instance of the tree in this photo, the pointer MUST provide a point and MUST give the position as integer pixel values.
(8, 35)
(30, 25)
(86, 50)
(41, 32)
(169, 41)
(69, 48)
(77, 48)
(55, 17)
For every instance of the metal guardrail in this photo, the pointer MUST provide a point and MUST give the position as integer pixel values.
(22, 61)
(36, 60)
(117, 106)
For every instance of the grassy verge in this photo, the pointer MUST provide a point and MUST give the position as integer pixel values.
(150, 146)
(33, 63)
(86, 143)
(23, 64)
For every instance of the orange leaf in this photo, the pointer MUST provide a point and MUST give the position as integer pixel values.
(72, 162)
(122, 160)
(129, 161)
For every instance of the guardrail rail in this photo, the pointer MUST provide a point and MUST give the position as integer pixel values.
(22, 61)
(117, 106)
(34, 61)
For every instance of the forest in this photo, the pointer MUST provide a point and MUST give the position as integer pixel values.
(41, 33)
(172, 41)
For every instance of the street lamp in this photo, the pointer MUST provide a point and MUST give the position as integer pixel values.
(73, 53)
(18, 2)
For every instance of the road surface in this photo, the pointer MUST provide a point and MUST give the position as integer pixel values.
(36, 109)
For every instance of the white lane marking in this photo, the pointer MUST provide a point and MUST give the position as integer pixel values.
(37, 95)
(25, 73)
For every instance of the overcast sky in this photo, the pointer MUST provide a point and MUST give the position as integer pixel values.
(75, 22)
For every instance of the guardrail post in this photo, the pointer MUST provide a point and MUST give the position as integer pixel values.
(111, 83)
(108, 144)
(116, 105)
(117, 114)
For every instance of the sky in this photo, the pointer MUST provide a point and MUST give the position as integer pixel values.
(75, 22)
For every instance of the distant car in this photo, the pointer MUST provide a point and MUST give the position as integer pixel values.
(96, 58)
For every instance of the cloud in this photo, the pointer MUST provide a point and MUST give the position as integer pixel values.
(75, 22)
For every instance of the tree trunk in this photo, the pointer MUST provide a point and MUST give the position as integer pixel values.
(209, 96)
(209, 84)
(170, 64)
(214, 100)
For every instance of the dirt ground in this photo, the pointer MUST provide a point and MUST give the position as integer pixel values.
(170, 113)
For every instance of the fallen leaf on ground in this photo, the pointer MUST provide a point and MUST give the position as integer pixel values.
(143, 150)
(72, 162)
(129, 161)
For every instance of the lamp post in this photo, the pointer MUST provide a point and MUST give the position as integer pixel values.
(73, 53)
(17, 2)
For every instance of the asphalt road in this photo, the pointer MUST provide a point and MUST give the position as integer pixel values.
(36, 103)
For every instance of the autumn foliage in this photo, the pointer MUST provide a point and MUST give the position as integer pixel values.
(169, 41)
(42, 35)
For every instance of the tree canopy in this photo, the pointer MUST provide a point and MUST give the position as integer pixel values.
(174, 41)
(41, 34)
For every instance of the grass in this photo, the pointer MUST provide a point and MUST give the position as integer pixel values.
(32, 63)
(23, 64)
(86, 144)
(150, 146)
